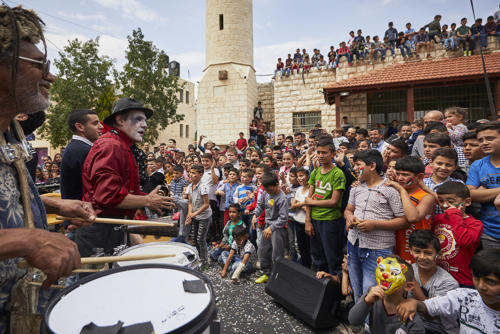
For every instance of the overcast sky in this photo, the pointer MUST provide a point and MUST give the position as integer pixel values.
(280, 26)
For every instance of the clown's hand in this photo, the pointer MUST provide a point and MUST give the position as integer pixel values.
(375, 294)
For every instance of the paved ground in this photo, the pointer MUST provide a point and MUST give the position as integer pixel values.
(246, 308)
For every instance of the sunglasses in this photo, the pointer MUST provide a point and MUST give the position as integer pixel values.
(44, 64)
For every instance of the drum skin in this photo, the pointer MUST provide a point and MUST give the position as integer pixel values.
(176, 312)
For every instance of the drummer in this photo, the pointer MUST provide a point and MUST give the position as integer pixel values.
(110, 177)
(24, 88)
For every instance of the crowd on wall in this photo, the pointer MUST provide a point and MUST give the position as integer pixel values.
(408, 41)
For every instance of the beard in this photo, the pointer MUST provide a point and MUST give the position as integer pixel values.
(30, 101)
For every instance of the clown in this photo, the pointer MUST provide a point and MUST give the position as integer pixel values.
(390, 274)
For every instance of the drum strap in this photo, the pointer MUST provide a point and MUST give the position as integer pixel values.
(24, 296)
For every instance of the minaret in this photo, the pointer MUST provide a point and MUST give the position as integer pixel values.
(227, 92)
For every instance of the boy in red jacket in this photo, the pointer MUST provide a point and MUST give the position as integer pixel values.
(458, 232)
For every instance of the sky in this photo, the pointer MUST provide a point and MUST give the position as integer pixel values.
(280, 26)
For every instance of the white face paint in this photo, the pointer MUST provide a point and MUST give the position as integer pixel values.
(134, 126)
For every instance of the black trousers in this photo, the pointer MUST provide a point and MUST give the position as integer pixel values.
(104, 236)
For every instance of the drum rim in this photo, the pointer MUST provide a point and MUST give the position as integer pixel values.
(204, 318)
(158, 243)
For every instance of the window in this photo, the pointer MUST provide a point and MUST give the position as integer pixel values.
(187, 97)
(181, 96)
(470, 96)
(187, 131)
(305, 121)
(221, 22)
(180, 130)
(386, 106)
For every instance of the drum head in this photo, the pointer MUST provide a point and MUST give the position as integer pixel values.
(184, 254)
(134, 294)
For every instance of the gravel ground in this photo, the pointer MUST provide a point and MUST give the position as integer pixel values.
(246, 308)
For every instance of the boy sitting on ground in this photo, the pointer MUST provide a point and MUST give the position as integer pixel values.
(478, 310)
(395, 279)
(239, 255)
(431, 280)
(458, 232)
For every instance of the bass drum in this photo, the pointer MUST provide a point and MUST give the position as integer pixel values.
(185, 255)
(155, 294)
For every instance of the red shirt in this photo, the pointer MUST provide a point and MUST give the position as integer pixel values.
(109, 174)
(241, 144)
(459, 239)
(261, 221)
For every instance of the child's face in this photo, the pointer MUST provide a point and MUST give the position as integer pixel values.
(253, 166)
(169, 168)
(231, 157)
(429, 149)
(391, 170)
(325, 156)
(448, 201)
(241, 240)
(489, 141)
(243, 165)
(232, 176)
(258, 174)
(293, 179)
(268, 151)
(349, 157)
(255, 155)
(337, 134)
(275, 153)
(279, 161)
(206, 163)
(245, 178)
(248, 154)
(363, 146)
(362, 170)
(443, 167)
(302, 178)
(267, 161)
(424, 257)
(406, 179)
(177, 175)
(272, 190)
(221, 161)
(288, 143)
(472, 151)
(488, 288)
(452, 118)
(195, 176)
(234, 215)
(287, 160)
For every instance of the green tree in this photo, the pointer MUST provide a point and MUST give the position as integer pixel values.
(83, 82)
(144, 78)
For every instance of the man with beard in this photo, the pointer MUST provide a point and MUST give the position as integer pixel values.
(110, 177)
(351, 137)
(25, 80)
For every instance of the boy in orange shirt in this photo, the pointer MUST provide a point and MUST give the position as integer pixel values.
(418, 205)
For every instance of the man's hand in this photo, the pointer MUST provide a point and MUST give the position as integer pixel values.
(309, 229)
(376, 293)
(367, 225)
(267, 233)
(407, 309)
(157, 202)
(223, 273)
(52, 253)
(83, 212)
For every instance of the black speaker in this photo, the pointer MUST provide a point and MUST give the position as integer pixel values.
(174, 68)
(297, 289)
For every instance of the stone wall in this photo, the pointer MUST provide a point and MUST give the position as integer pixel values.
(266, 96)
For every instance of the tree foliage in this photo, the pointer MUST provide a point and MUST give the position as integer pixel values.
(144, 78)
(83, 82)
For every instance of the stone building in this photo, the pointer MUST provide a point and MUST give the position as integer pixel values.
(227, 92)
(184, 132)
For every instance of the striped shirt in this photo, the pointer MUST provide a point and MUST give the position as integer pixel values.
(177, 186)
(378, 203)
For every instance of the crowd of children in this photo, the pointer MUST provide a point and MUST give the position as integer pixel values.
(408, 41)
(421, 202)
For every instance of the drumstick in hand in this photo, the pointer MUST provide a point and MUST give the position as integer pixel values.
(123, 221)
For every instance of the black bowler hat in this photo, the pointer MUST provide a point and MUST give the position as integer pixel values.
(126, 104)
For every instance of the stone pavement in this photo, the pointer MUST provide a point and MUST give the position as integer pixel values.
(246, 308)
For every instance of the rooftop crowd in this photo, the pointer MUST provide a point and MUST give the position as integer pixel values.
(408, 41)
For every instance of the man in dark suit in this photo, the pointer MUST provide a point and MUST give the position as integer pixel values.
(86, 128)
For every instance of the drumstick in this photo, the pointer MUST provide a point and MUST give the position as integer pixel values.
(106, 259)
(122, 221)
